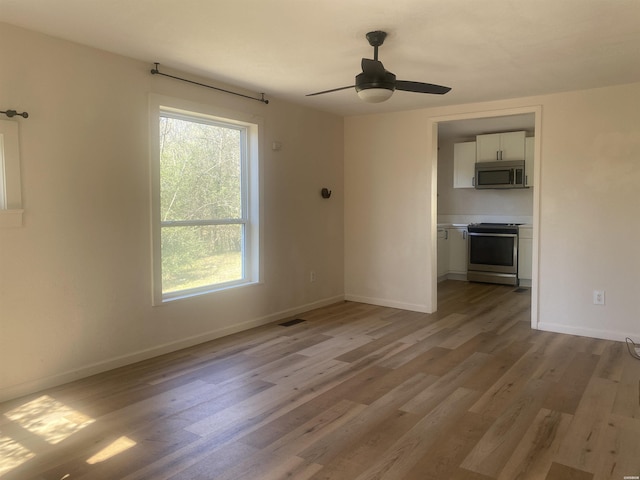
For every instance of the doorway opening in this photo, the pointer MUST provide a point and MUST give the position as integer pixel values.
(457, 203)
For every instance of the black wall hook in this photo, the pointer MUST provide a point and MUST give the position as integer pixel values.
(325, 192)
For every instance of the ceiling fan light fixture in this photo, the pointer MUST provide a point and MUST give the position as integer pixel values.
(375, 95)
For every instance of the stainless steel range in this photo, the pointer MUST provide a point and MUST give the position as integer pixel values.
(493, 253)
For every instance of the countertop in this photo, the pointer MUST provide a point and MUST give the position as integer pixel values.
(463, 225)
(452, 225)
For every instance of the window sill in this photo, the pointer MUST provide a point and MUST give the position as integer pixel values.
(198, 292)
(11, 218)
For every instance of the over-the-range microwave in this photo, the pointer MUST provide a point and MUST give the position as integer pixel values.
(502, 174)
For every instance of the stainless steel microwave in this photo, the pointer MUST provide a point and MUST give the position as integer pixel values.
(503, 174)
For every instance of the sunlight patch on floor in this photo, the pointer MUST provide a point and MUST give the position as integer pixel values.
(118, 446)
(49, 419)
(12, 455)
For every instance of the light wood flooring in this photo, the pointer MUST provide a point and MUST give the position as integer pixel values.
(353, 392)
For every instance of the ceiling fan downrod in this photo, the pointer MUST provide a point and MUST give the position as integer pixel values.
(376, 39)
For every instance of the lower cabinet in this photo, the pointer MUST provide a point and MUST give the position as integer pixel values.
(452, 253)
(443, 253)
(525, 254)
(458, 252)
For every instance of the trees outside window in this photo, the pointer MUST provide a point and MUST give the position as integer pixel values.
(205, 221)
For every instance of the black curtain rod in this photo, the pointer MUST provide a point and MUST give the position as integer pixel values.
(13, 113)
(155, 71)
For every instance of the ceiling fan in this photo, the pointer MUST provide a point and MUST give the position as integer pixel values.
(376, 84)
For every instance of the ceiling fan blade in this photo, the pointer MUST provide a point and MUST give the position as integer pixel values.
(372, 67)
(420, 87)
(329, 91)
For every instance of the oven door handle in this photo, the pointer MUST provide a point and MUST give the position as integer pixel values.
(474, 234)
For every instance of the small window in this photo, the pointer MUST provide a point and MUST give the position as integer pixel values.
(10, 191)
(207, 223)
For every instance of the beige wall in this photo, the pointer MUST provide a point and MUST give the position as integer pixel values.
(589, 212)
(387, 210)
(75, 280)
(588, 206)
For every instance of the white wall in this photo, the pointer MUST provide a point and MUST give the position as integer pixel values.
(75, 280)
(588, 211)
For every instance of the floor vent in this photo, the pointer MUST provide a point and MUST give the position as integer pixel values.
(521, 290)
(289, 323)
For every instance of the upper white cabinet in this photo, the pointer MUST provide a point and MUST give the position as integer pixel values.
(500, 146)
(529, 143)
(464, 160)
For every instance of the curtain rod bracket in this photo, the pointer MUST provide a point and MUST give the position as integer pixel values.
(13, 113)
(156, 71)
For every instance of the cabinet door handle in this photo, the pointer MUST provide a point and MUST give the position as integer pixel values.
(473, 181)
(464, 235)
(446, 234)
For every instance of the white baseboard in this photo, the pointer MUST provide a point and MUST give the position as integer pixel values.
(387, 303)
(33, 386)
(587, 332)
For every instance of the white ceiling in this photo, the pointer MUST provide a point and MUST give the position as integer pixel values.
(484, 50)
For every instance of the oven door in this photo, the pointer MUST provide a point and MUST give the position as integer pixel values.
(493, 252)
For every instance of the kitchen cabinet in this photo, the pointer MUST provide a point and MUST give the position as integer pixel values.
(500, 146)
(525, 254)
(464, 162)
(529, 143)
(452, 252)
(458, 252)
(443, 253)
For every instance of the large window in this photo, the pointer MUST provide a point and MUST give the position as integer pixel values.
(206, 220)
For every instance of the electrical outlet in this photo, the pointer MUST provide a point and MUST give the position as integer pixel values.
(312, 276)
(598, 297)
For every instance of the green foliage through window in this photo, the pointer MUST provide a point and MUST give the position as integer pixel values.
(201, 202)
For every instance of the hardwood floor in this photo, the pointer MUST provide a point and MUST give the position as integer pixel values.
(353, 392)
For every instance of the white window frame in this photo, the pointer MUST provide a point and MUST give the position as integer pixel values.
(251, 126)
(10, 182)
